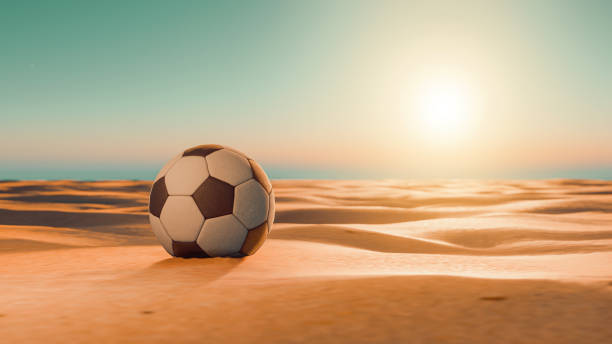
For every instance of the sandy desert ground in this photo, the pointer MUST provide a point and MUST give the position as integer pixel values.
(347, 261)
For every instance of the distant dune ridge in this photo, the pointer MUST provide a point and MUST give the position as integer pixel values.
(355, 261)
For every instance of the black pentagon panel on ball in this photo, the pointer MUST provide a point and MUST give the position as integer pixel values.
(159, 195)
(214, 198)
(187, 250)
(202, 150)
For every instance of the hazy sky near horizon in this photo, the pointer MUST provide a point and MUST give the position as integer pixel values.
(482, 89)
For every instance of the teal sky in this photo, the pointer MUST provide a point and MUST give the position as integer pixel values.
(313, 89)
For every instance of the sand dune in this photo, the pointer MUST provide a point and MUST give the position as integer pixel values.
(347, 261)
(480, 242)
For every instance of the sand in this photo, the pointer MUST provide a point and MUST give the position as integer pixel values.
(347, 261)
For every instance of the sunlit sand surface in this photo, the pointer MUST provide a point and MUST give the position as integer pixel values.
(347, 261)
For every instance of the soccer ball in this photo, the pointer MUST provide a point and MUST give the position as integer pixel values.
(211, 201)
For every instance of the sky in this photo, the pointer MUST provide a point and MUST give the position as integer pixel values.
(310, 89)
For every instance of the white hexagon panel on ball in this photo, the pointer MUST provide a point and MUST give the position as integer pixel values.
(184, 177)
(229, 167)
(251, 203)
(222, 236)
(181, 218)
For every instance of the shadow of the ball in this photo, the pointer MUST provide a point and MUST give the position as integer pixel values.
(188, 270)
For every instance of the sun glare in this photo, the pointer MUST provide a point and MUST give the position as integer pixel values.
(444, 107)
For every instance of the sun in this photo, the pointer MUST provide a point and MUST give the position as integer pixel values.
(444, 107)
